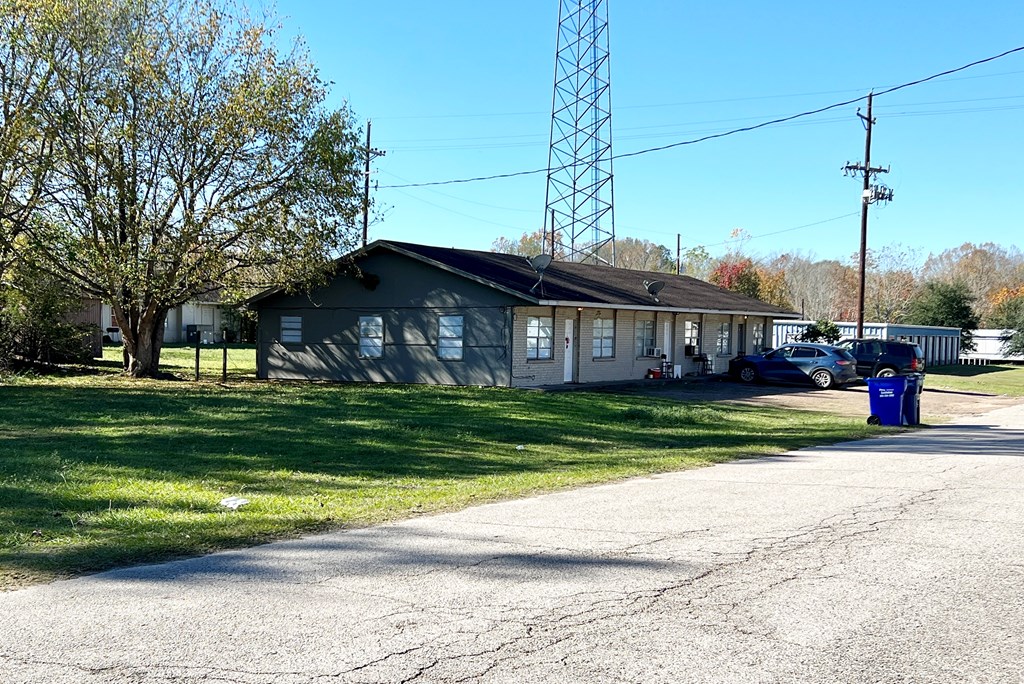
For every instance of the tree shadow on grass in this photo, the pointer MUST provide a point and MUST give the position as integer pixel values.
(61, 448)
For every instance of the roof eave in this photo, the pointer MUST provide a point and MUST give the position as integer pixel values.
(668, 309)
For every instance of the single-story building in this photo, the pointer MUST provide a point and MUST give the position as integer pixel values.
(941, 345)
(90, 318)
(422, 314)
(990, 348)
(196, 321)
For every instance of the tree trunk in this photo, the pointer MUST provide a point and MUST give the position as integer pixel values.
(142, 343)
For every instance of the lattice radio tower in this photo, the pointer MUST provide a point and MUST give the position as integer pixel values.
(578, 201)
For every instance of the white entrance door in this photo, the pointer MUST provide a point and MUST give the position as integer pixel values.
(570, 351)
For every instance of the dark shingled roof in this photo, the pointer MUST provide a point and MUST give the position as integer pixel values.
(578, 284)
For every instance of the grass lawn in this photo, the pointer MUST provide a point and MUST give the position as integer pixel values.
(982, 379)
(99, 471)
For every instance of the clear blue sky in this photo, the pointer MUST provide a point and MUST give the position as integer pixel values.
(459, 89)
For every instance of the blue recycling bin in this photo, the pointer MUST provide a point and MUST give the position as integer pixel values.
(885, 397)
(912, 399)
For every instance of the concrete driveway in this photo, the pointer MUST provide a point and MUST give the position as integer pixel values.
(898, 559)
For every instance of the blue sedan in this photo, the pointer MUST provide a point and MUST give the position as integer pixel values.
(800, 362)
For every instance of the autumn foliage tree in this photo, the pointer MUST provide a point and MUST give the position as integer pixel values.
(982, 268)
(739, 275)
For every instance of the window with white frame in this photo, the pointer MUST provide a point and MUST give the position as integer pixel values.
(691, 336)
(758, 338)
(449, 337)
(724, 343)
(291, 329)
(644, 334)
(371, 337)
(539, 336)
(604, 338)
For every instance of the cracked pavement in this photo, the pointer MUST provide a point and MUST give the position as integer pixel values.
(897, 559)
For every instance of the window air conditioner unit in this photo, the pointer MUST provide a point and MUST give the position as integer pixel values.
(653, 351)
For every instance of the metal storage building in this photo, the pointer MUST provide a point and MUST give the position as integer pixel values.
(989, 348)
(941, 345)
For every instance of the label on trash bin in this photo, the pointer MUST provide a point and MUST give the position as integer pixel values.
(886, 393)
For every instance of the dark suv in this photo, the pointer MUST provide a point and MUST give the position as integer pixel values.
(884, 358)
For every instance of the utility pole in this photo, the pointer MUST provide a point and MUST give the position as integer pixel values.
(370, 154)
(871, 193)
(679, 262)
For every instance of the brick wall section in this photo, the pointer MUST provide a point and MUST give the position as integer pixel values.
(709, 337)
(532, 373)
(625, 364)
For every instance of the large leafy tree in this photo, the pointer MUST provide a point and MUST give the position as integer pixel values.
(189, 154)
(946, 304)
(29, 47)
(1008, 315)
(696, 262)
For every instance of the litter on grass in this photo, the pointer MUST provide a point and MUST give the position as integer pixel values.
(233, 502)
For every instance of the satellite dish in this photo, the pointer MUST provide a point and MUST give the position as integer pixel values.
(540, 262)
(654, 287)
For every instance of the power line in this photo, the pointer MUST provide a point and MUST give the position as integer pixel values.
(715, 136)
(538, 141)
(662, 105)
(784, 230)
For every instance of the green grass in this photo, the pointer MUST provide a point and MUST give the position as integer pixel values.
(99, 471)
(991, 379)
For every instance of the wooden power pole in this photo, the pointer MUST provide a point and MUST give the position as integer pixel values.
(871, 193)
(370, 154)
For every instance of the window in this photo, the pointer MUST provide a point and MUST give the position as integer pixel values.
(538, 337)
(691, 337)
(604, 338)
(449, 337)
(645, 338)
(291, 329)
(724, 343)
(371, 337)
(758, 337)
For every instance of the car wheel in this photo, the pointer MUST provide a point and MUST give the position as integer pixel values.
(886, 373)
(748, 374)
(823, 379)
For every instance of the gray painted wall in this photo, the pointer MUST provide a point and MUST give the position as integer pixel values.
(410, 296)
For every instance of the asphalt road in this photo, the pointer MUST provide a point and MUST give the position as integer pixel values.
(890, 560)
